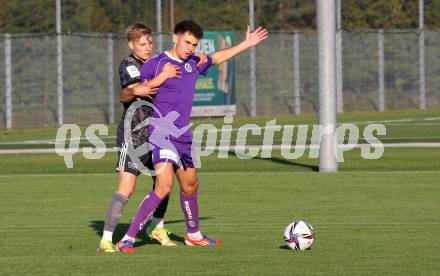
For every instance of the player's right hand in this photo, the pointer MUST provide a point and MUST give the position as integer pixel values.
(171, 70)
(145, 90)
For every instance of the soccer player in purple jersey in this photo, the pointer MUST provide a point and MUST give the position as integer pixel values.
(169, 133)
(141, 44)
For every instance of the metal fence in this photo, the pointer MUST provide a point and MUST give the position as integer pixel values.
(380, 71)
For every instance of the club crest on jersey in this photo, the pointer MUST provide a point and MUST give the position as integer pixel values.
(188, 68)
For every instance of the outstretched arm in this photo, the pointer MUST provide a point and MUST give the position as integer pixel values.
(252, 39)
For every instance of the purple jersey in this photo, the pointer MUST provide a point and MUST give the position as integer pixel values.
(175, 94)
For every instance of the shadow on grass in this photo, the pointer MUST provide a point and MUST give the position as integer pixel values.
(285, 247)
(122, 228)
(281, 161)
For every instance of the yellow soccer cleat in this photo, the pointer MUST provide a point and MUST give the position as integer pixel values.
(106, 246)
(161, 235)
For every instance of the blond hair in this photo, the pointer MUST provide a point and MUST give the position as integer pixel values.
(135, 31)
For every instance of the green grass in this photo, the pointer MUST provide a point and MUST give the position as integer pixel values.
(393, 159)
(379, 223)
(378, 217)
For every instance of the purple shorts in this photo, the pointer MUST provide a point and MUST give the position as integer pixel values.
(180, 154)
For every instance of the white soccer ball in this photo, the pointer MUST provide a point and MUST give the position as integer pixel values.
(299, 235)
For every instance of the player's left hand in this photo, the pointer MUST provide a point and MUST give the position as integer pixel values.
(255, 37)
(202, 59)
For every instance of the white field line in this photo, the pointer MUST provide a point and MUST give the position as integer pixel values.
(399, 121)
(52, 150)
(59, 175)
(414, 124)
(409, 138)
(341, 146)
(432, 119)
(114, 173)
(240, 148)
(52, 141)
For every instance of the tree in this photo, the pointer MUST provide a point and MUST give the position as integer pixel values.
(27, 16)
(115, 15)
(395, 14)
(286, 14)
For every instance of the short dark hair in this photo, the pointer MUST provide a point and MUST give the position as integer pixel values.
(189, 26)
(136, 31)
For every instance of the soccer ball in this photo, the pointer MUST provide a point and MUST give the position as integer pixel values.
(299, 235)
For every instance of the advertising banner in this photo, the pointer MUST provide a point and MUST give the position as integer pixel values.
(215, 93)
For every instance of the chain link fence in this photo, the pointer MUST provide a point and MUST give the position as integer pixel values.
(88, 96)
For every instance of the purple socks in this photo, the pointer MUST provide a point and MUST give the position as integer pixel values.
(190, 209)
(144, 214)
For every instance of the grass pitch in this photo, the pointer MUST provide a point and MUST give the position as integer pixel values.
(377, 217)
(366, 222)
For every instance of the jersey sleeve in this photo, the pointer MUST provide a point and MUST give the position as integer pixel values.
(147, 70)
(128, 74)
(203, 69)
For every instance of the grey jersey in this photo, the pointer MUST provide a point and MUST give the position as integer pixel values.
(129, 73)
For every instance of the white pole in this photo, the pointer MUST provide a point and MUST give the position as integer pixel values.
(296, 75)
(171, 11)
(8, 81)
(252, 76)
(327, 84)
(422, 56)
(339, 84)
(111, 89)
(159, 25)
(59, 64)
(381, 71)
